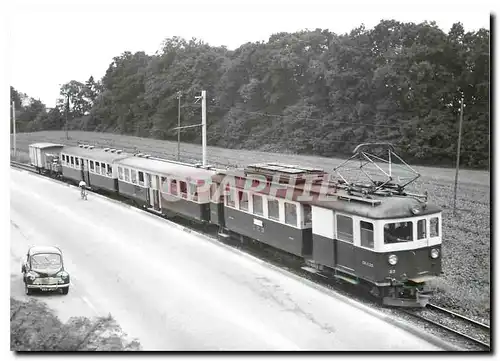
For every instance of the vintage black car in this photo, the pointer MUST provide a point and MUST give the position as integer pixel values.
(44, 270)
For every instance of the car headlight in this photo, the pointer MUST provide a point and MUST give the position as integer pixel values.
(434, 253)
(63, 274)
(393, 259)
(32, 276)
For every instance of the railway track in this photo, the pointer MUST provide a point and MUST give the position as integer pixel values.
(23, 166)
(429, 315)
(464, 327)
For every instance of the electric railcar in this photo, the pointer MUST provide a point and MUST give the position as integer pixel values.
(376, 236)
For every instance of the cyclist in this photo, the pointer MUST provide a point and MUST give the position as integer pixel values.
(82, 186)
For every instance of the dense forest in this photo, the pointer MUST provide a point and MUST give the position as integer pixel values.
(309, 92)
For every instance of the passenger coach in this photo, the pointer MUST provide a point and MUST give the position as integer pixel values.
(95, 166)
(166, 186)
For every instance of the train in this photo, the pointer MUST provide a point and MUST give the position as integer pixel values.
(375, 235)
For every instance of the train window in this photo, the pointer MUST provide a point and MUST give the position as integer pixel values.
(193, 191)
(97, 167)
(127, 174)
(398, 232)
(183, 189)
(163, 185)
(63, 157)
(141, 178)
(421, 229)
(103, 169)
(366, 234)
(290, 214)
(91, 165)
(307, 214)
(258, 207)
(173, 187)
(243, 200)
(344, 228)
(148, 180)
(434, 227)
(133, 176)
(120, 173)
(77, 163)
(273, 209)
(230, 201)
(72, 161)
(110, 171)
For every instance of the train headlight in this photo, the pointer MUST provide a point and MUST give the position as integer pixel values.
(393, 259)
(415, 210)
(434, 253)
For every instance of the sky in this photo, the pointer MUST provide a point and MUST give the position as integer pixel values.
(49, 43)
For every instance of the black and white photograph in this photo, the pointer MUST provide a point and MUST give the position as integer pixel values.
(249, 176)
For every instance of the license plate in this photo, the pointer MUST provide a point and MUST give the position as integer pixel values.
(46, 289)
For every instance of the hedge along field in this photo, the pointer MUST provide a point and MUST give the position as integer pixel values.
(465, 285)
(34, 327)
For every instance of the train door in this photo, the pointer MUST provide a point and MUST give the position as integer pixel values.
(86, 171)
(345, 250)
(153, 191)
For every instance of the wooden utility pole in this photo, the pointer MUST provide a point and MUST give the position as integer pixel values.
(67, 111)
(179, 95)
(14, 126)
(458, 154)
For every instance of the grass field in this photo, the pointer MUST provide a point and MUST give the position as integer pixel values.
(465, 286)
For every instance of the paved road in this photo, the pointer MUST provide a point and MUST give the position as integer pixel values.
(176, 291)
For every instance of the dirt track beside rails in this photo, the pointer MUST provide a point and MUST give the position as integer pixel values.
(465, 286)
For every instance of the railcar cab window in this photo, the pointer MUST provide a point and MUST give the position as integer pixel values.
(120, 173)
(77, 162)
(103, 169)
(422, 229)
(344, 228)
(127, 174)
(133, 176)
(366, 234)
(164, 184)
(72, 161)
(243, 196)
(110, 171)
(434, 227)
(91, 165)
(398, 232)
(258, 207)
(290, 214)
(97, 167)
(141, 178)
(273, 209)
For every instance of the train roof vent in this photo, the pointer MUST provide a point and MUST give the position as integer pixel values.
(112, 150)
(80, 145)
(91, 147)
(106, 149)
(119, 151)
(147, 155)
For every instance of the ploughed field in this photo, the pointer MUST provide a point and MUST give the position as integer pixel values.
(465, 285)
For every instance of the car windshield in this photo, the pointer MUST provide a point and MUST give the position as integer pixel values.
(46, 261)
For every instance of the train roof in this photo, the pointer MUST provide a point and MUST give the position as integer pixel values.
(165, 167)
(45, 145)
(394, 206)
(44, 249)
(98, 154)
